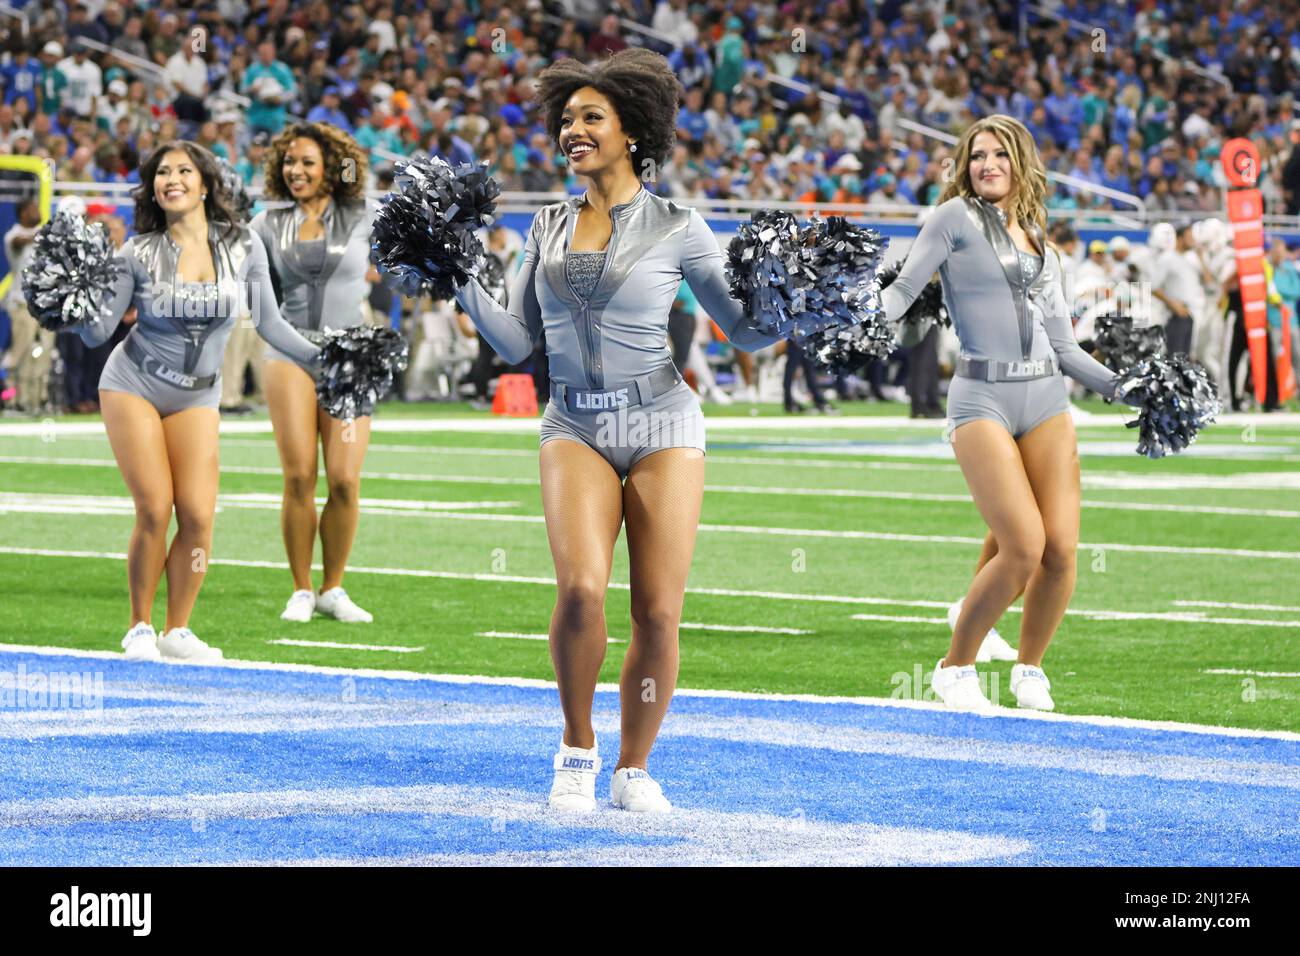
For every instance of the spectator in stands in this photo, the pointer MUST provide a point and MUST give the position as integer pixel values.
(329, 110)
(271, 86)
(21, 78)
(187, 73)
(53, 82)
(85, 82)
(113, 107)
(30, 351)
(1178, 286)
(608, 40)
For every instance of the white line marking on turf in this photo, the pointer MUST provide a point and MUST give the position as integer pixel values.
(1230, 670)
(348, 647)
(900, 620)
(1184, 618)
(743, 628)
(37, 503)
(1259, 481)
(535, 637)
(1236, 606)
(902, 537)
(1007, 714)
(1188, 617)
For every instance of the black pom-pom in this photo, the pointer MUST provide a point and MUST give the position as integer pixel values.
(846, 259)
(71, 272)
(357, 369)
(815, 283)
(1121, 344)
(423, 234)
(232, 184)
(1175, 398)
(768, 270)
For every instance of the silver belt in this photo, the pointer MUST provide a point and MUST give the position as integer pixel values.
(636, 392)
(992, 370)
(147, 363)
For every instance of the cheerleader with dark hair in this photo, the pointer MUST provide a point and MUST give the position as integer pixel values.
(190, 271)
(622, 440)
(319, 247)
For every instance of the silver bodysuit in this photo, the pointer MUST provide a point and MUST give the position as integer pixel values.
(322, 281)
(612, 338)
(1006, 306)
(181, 328)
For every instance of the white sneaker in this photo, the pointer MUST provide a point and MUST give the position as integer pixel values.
(994, 646)
(959, 688)
(141, 643)
(634, 790)
(574, 787)
(300, 608)
(336, 603)
(180, 644)
(1030, 686)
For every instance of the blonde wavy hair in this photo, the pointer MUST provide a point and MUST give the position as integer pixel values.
(1028, 175)
(339, 152)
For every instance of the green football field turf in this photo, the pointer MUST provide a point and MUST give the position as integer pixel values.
(802, 528)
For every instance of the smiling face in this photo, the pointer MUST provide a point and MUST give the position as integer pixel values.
(303, 169)
(990, 167)
(177, 183)
(591, 135)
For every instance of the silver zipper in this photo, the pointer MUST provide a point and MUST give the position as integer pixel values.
(586, 303)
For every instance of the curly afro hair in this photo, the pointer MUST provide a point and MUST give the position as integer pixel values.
(346, 163)
(642, 88)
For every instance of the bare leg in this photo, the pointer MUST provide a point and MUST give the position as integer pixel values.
(1051, 457)
(582, 499)
(990, 460)
(661, 505)
(344, 445)
(135, 433)
(291, 398)
(192, 450)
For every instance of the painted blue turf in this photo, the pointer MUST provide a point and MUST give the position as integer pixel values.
(181, 765)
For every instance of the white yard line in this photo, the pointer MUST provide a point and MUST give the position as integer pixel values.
(1001, 713)
(778, 491)
(516, 635)
(1238, 606)
(1230, 670)
(347, 647)
(1183, 617)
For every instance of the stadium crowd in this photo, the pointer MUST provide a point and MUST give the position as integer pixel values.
(834, 101)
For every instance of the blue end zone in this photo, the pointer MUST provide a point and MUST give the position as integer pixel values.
(179, 765)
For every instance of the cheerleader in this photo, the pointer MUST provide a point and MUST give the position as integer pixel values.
(1008, 407)
(319, 248)
(190, 270)
(622, 439)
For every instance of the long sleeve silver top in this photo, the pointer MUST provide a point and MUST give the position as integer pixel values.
(998, 311)
(185, 325)
(322, 281)
(620, 330)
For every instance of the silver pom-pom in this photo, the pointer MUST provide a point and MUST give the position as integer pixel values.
(1121, 343)
(357, 369)
(799, 281)
(71, 272)
(423, 233)
(1176, 399)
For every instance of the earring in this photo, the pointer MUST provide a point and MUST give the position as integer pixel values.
(632, 148)
(203, 198)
